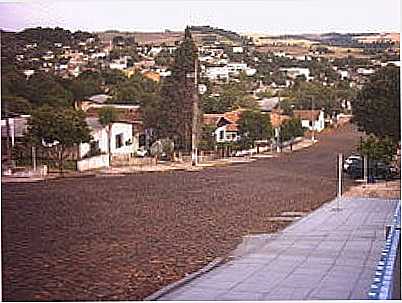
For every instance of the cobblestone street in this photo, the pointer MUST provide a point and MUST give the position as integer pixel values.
(124, 237)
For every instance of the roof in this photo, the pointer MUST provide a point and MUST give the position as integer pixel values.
(93, 123)
(307, 114)
(128, 113)
(101, 98)
(268, 104)
(211, 119)
(278, 119)
(233, 116)
(232, 128)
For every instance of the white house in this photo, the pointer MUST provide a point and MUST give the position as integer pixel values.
(235, 68)
(311, 119)
(237, 49)
(217, 73)
(365, 71)
(344, 74)
(226, 125)
(95, 153)
(227, 133)
(250, 71)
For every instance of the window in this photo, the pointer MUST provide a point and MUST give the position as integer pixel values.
(119, 140)
(221, 135)
(94, 145)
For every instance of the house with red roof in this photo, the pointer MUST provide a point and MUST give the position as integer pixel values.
(227, 129)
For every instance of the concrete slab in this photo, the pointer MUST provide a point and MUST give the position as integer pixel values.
(326, 255)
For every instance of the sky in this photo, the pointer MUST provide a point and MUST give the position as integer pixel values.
(262, 16)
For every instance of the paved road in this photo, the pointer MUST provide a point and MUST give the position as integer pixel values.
(124, 237)
(328, 255)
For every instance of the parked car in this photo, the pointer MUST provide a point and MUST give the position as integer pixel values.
(376, 169)
(352, 159)
(141, 152)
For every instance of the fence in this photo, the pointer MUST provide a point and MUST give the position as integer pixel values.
(383, 285)
(93, 163)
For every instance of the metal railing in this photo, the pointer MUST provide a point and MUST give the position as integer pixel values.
(383, 281)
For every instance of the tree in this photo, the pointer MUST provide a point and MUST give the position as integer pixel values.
(291, 129)
(61, 127)
(253, 125)
(177, 96)
(45, 89)
(136, 90)
(83, 87)
(207, 140)
(380, 149)
(108, 115)
(376, 108)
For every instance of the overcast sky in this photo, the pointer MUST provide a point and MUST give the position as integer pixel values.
(265, 16)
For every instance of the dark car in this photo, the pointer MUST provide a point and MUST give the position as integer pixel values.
(376, 169)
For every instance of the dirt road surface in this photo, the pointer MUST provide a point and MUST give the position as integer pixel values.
(124, 237)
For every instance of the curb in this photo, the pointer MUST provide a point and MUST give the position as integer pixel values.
(165, 290)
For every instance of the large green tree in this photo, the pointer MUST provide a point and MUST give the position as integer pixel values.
(375, 148)
(291, 129)
(376, 108)
(254, 125)
(61, 127)
(177, 96)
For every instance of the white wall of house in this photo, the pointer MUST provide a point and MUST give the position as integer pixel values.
(99, 135)
(217, 72)
(221, 135)
(318, 125)
(122, 140)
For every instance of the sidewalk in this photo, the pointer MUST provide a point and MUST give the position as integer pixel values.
(331, 254)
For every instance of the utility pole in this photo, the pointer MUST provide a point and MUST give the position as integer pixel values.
(339, 191)
(365, 169)
(194, 134)
(278, 129)
(312, 119)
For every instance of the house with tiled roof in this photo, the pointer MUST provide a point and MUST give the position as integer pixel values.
(227, 129)
(126, 133)
(311, 119)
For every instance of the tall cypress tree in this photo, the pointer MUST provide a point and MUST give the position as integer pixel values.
(177, 92)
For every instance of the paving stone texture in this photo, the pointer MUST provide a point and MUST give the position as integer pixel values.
(331, 254)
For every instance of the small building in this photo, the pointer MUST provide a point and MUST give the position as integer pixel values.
(17, 127)
(365, 71)
(294, 72)
(217, 73)
(95, 155)
(226, 125)
(121, 138)
(237, 49)
(311, 119)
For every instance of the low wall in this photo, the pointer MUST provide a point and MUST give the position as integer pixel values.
(93, 163)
